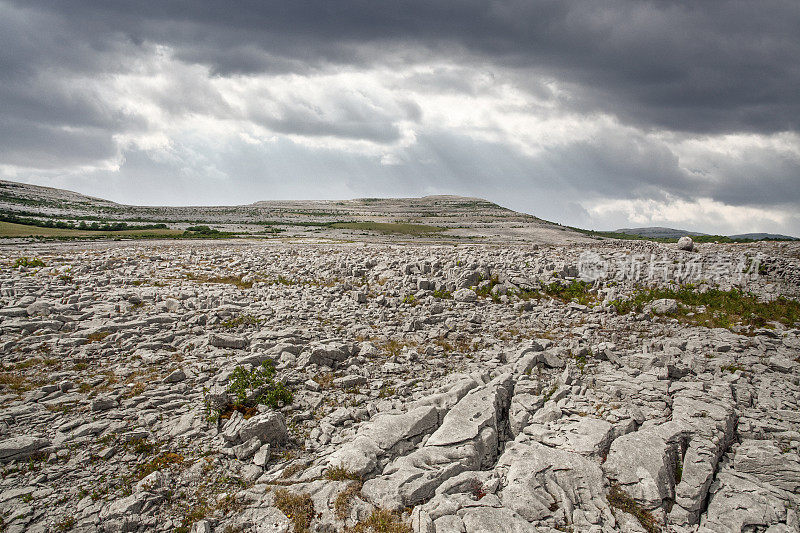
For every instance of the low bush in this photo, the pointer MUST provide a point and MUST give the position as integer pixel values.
(29, 262)
(257, 386)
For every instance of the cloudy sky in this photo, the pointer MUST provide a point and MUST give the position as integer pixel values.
(595, 113)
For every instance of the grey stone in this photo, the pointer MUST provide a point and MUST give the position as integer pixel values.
(176, 376)
(220, 340)
(247, 449)
(104, 403)
(644, 463)
(261, 457)
(685, 243)
(765, 461)
(478, 409)
(269, 427)
(465, 295)
(492, 520)
(664, 306)
(539, 479)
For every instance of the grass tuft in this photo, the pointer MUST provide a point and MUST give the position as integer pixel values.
(719, 309)
(382, 521)
(344, 500)
(619, 499)
(575, 290)
(299, 508)
(340, 473)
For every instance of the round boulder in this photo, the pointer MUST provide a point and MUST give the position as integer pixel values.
(465, 295)
(685, 243)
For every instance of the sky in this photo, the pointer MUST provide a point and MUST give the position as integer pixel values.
(594, 113)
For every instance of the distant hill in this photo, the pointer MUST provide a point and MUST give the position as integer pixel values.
(672, 233)
(764, 237)
(32, 210)
(658, 232)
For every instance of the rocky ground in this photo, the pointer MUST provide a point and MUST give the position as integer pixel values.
(272, 387)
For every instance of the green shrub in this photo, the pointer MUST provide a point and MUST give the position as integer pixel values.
(575, 290)
(29, 262)
(205, 231)
(243, 383)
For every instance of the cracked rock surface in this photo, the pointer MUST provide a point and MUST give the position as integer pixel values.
(423, 388)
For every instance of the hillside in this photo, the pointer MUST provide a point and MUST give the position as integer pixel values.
(671, 233)
(433, 217)
(658, 232)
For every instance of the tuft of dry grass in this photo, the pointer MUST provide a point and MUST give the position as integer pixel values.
(619, 499)
(325, 380)
(292, 469)
(236, 281)
(14, 382)
(97, 336)
(382, 521)
(340, 473)
(345, 499)
(299, 508)
(162, 461)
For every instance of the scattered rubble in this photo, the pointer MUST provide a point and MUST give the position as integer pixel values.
(191, 386)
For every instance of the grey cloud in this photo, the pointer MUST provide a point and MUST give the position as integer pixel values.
(712, 66)
(553, 186)
(42, 147)
(754, 177)
(346, 122)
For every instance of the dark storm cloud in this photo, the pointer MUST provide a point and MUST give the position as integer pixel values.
(711, 66)
(39, 146)
(344, 116)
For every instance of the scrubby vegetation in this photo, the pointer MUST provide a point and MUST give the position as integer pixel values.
(11, 230)
(205, 232)
(257, 386)
(238, 281)
(299, 508)
(716, 308)
(242, 320)
(29, 262)
(82, 225)
(390, 228)
(575, 290)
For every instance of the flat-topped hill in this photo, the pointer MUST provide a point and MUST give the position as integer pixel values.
(439, 217)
